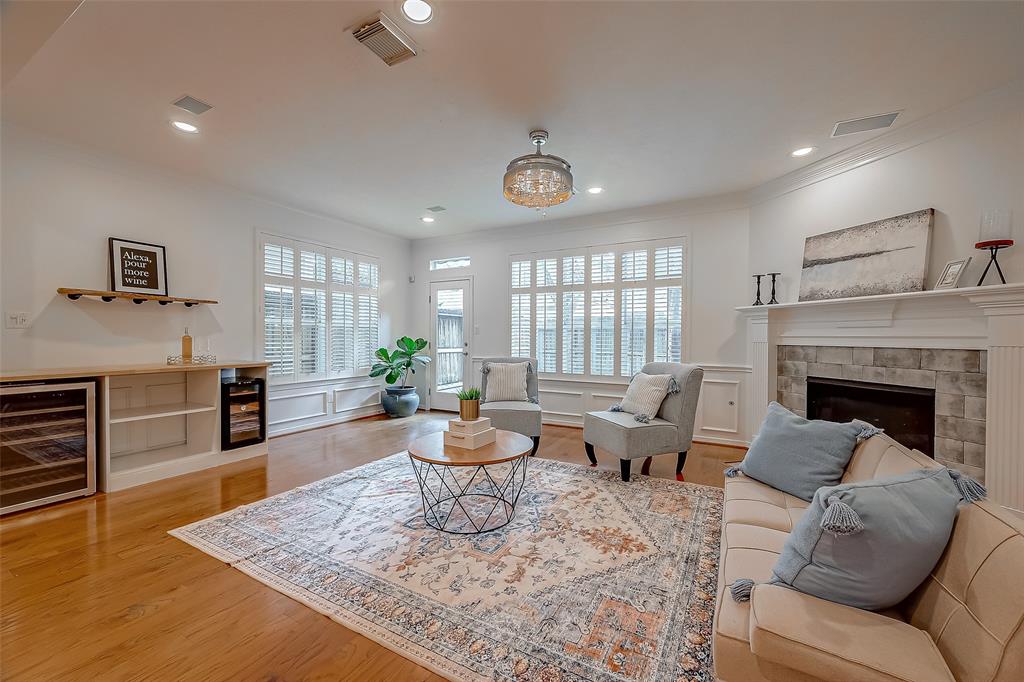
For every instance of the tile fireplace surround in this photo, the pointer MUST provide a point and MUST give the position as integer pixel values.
(957, 376)
(967, 344)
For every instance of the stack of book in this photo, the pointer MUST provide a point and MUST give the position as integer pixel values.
(469, 435)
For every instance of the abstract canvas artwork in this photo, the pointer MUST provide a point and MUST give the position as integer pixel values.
(887, 256)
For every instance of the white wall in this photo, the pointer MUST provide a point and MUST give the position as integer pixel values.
(959, 174)
(59, 205)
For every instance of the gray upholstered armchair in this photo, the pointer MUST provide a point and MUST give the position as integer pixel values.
(521, 417)
(671, 431)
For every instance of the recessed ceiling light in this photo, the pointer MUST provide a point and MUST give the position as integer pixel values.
(803, 151)
(427, 219)
(185, 127)
(595, 190)
(417, 11)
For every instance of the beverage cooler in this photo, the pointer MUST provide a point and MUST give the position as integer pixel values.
(47, 443)
(243, 412)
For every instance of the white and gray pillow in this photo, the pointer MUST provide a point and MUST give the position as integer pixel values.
(797, 455)
(506, 381)
(645, 394)
(870, 544)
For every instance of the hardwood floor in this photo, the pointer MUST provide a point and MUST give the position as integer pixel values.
(96, 589)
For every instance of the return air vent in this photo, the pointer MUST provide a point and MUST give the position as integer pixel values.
(192, 105)
(385, 39)
(862, 125)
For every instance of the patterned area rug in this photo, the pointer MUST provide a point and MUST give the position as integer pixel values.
(594, 579)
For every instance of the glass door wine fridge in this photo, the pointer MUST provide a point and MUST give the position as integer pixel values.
(47, 443)
(243, 412)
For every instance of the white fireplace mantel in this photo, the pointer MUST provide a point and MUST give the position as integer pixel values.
(979, 318)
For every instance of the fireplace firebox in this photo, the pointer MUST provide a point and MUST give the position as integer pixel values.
(906, 413)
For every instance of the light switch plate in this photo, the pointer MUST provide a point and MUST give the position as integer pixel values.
(16, 320)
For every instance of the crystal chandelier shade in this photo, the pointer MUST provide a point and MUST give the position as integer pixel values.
(538, 180)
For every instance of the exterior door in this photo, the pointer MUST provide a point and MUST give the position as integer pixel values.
(451, 323)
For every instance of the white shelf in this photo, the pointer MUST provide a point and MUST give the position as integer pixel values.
(965, 292)
(133, 414)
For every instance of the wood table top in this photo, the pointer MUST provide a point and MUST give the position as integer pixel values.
(507, 446)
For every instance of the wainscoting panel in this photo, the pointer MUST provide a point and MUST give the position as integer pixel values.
(296, 407)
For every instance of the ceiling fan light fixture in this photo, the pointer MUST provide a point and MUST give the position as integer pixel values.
(538, 180)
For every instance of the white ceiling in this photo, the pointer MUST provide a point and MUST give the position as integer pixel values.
(654, 101)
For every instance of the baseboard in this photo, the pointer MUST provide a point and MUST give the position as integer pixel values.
(724, 442)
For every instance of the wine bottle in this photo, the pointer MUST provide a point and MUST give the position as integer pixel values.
(186, 347)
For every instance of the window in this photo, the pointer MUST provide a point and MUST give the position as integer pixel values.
(599, 311)
(322, 318)
(446, 263)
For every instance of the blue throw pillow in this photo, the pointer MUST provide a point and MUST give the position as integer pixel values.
(870, 544)
(797, 455)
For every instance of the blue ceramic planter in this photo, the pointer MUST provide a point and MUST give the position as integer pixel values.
(400, 402)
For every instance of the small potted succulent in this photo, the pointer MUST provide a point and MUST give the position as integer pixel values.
(399, 401)
(469, 404)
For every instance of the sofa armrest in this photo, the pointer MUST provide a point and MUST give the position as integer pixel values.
(833, 641)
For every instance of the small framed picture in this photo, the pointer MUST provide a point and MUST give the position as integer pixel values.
(138, 267)
(951, 274)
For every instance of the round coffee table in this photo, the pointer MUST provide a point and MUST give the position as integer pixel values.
(459, 493)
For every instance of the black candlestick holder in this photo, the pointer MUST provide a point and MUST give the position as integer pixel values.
(773, 276)
(757, 299)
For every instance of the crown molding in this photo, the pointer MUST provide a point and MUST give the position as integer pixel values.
(1007, 99)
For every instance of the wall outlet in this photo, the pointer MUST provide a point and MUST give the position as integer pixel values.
(16, 320)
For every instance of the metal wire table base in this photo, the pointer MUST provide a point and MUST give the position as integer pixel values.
(444, 496)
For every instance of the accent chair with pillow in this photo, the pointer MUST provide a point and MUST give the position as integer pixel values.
(509, 396)
(635, 435)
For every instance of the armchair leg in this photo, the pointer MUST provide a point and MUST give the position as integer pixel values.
(625, 464)
(590, 454)
(680, 463)
(646, 468)
(536, 444)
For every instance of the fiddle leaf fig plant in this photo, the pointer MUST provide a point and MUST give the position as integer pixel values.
(397, 364)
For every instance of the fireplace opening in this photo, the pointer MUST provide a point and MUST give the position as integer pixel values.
(906, 413)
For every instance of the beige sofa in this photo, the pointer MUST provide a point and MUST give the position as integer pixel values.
(963, 623)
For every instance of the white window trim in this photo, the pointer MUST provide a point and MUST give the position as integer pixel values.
(263, 236)
(617, 286)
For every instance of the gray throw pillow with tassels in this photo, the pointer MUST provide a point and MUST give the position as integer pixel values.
(870, 544)
(797, 455)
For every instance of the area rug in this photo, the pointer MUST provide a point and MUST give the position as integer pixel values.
(593, 579)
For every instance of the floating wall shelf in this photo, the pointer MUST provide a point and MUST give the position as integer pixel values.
(108, 296)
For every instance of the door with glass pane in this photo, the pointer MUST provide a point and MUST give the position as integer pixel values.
(451, 323)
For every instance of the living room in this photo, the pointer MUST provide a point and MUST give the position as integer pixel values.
(428, 340)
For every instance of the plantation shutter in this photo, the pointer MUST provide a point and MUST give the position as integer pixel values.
(602, 333)
(320, 310)
(547, 321)
(634, 331)
(573, 321)
(520, 346)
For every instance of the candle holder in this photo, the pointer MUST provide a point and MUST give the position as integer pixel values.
(774, 300)
(757, 299)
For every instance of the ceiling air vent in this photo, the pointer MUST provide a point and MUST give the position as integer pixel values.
(862, 125)
(385, 39)
(193, 105)
(436, 209)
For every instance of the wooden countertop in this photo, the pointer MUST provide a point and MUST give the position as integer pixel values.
(119, 370)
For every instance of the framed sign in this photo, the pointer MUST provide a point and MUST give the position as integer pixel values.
(138, 267)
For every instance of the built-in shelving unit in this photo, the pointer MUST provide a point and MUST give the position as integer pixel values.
(108, 296)
(155, 421)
